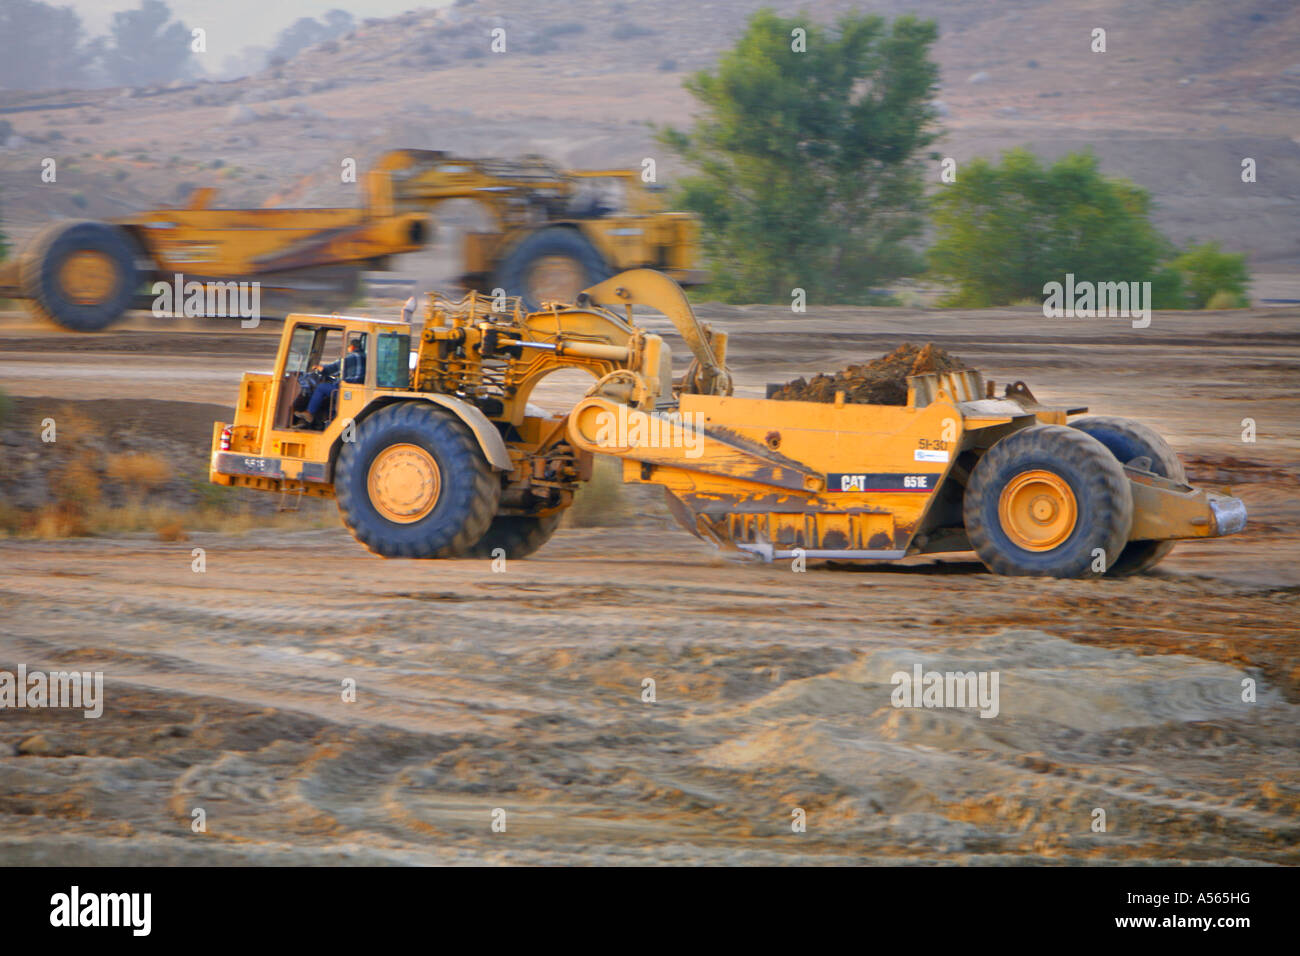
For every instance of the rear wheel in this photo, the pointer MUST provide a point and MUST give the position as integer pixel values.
(1129, 440)
(415, 484)
(517, 536)
(1043, 500)
(552, 265)
(80, 274)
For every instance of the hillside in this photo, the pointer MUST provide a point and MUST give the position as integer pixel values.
(1186, 89)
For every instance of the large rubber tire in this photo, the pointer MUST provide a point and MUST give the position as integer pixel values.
(517, 535)
(1102, 501)
(42, 273)
(513, 274)
(464, 506)
(1127, 440)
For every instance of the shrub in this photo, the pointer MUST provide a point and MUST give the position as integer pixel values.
(1211, 275)
(1007, 229)
(140, 471)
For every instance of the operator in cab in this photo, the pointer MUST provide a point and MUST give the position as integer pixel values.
(354, 373)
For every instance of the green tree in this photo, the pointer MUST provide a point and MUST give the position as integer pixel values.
(1208, 274)
(806, 156)
(1007, 229)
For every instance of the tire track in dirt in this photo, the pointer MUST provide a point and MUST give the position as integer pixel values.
(523, 691)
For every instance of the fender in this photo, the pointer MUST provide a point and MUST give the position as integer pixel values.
(485, 433)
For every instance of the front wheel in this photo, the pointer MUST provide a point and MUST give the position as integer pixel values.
(415, 484)
(1050, 501)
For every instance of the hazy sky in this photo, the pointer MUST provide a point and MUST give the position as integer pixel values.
(235, 24)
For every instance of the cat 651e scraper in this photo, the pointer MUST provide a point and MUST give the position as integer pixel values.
(436, 452)
(551, 233)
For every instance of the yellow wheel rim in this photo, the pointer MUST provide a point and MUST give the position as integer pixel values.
(404, 483)
(88, 277)
(1037, 510)
(556, 279)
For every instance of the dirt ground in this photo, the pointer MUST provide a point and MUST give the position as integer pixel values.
(522, 690)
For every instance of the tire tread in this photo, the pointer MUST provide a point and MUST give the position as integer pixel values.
(517, 535)
(465, 462)
(1138, 556)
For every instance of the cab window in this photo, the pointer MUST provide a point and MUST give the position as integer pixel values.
(309, 346)
(299, 349)
(329, 347)
(392, 366)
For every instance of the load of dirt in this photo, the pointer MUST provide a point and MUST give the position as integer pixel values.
(881, 381)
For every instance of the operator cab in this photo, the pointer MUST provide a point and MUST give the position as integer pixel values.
(311, 348)
(316, 359)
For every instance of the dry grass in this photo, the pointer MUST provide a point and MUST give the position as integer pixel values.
(78, 475)
(139, 471)
(172, 531)
(73, 426)
(76, 483)
(170, 523)
(58, 521)
(138, 492)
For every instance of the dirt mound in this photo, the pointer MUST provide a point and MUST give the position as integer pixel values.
(881, 381)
